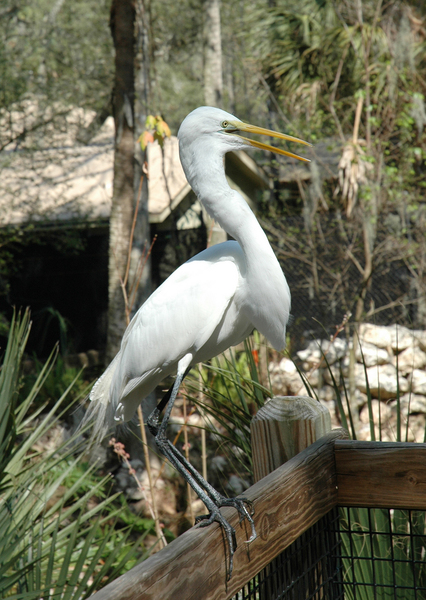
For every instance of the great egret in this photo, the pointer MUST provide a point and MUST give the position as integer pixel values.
(210, 303)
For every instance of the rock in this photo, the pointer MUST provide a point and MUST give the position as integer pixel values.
(327, 394)
(218, 463)
(411, 358)
(333, 371)
(358, 400)
(236, 485)
(285, 378)
(371, 354)
(418, 381)
(194, 420)
(93, 357)
(379, 335)
(83, 359)
(314, 352)
(53, 439)
(410, 404)
(284, 367)
(382, 412)
(382, 381)
(336, 370)
(416, 429)
(420, 337)
(402, 338)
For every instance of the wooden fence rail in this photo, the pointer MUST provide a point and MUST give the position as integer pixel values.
(381, 474)
(332, 471)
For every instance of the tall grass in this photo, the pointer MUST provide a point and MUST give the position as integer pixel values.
(59, 533)
(384, 551)
(232, 393)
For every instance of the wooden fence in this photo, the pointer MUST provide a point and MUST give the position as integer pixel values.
(331, 471)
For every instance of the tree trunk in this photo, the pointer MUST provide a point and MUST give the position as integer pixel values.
(122, 29)
(143, 108)
(213, 85)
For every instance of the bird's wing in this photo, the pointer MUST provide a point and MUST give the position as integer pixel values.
(100, 391)
(184, 314)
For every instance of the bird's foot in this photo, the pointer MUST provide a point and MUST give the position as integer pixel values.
(240, 505)
(229, 531)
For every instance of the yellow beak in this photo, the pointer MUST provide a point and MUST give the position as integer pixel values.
(261, 131)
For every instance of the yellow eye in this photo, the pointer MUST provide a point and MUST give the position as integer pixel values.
(225, 124)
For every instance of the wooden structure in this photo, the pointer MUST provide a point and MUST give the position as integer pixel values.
(331, 471)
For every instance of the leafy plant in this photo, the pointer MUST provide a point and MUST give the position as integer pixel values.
(381, 548)
(231, 395)
(59, 378)
(383, 553)
(58, 537)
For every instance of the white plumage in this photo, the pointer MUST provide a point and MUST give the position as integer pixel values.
(214, 300)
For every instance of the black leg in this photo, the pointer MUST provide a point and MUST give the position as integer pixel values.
(210, 497)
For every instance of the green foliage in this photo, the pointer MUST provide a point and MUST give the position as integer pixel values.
(57, 381)
(60, 535)
(231, 393)
(367, 533)
(47, 52)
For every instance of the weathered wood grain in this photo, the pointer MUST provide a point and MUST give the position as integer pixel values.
(282, 428)
(381, 474)
(193, 567)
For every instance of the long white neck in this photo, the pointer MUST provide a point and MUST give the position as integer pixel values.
(206, 175)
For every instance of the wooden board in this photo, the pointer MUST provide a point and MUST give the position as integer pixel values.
(381, 474)
(192, 567)
(283, 427)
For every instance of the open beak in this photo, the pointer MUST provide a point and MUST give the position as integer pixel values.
(261, 131)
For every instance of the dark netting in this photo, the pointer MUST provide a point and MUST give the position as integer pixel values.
(324, 273)
(309, 568)
(352, 554)
(383, 553)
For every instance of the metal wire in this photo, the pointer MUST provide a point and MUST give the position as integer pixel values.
(309, 569)
(383, 553)
(350, 554)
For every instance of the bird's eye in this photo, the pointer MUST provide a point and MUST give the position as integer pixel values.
(225, 124)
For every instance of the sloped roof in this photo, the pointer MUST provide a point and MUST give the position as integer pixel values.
(74, 182)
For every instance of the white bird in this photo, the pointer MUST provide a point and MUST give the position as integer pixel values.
(208, 304)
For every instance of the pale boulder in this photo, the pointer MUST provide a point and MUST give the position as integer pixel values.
(381, 411)
(420, 337)
(313, 354)
(379, 335)
(411, 404)
(418, 381)
(411, 358)
(371, 354)
(382, 381)
(402, 338)
(285, 378)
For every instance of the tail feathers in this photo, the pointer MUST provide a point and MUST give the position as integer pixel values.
(101, 411)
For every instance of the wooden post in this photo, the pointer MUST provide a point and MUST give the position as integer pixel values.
(282, 428)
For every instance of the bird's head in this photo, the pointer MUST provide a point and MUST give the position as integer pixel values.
(223, 130)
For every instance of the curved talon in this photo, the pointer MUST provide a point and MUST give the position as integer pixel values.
(239, 505)
(229, 531)
(201, 518)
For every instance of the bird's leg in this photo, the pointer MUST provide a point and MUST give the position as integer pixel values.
(214, 512)
(210, 497)
(218, 499)
(159, 432)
